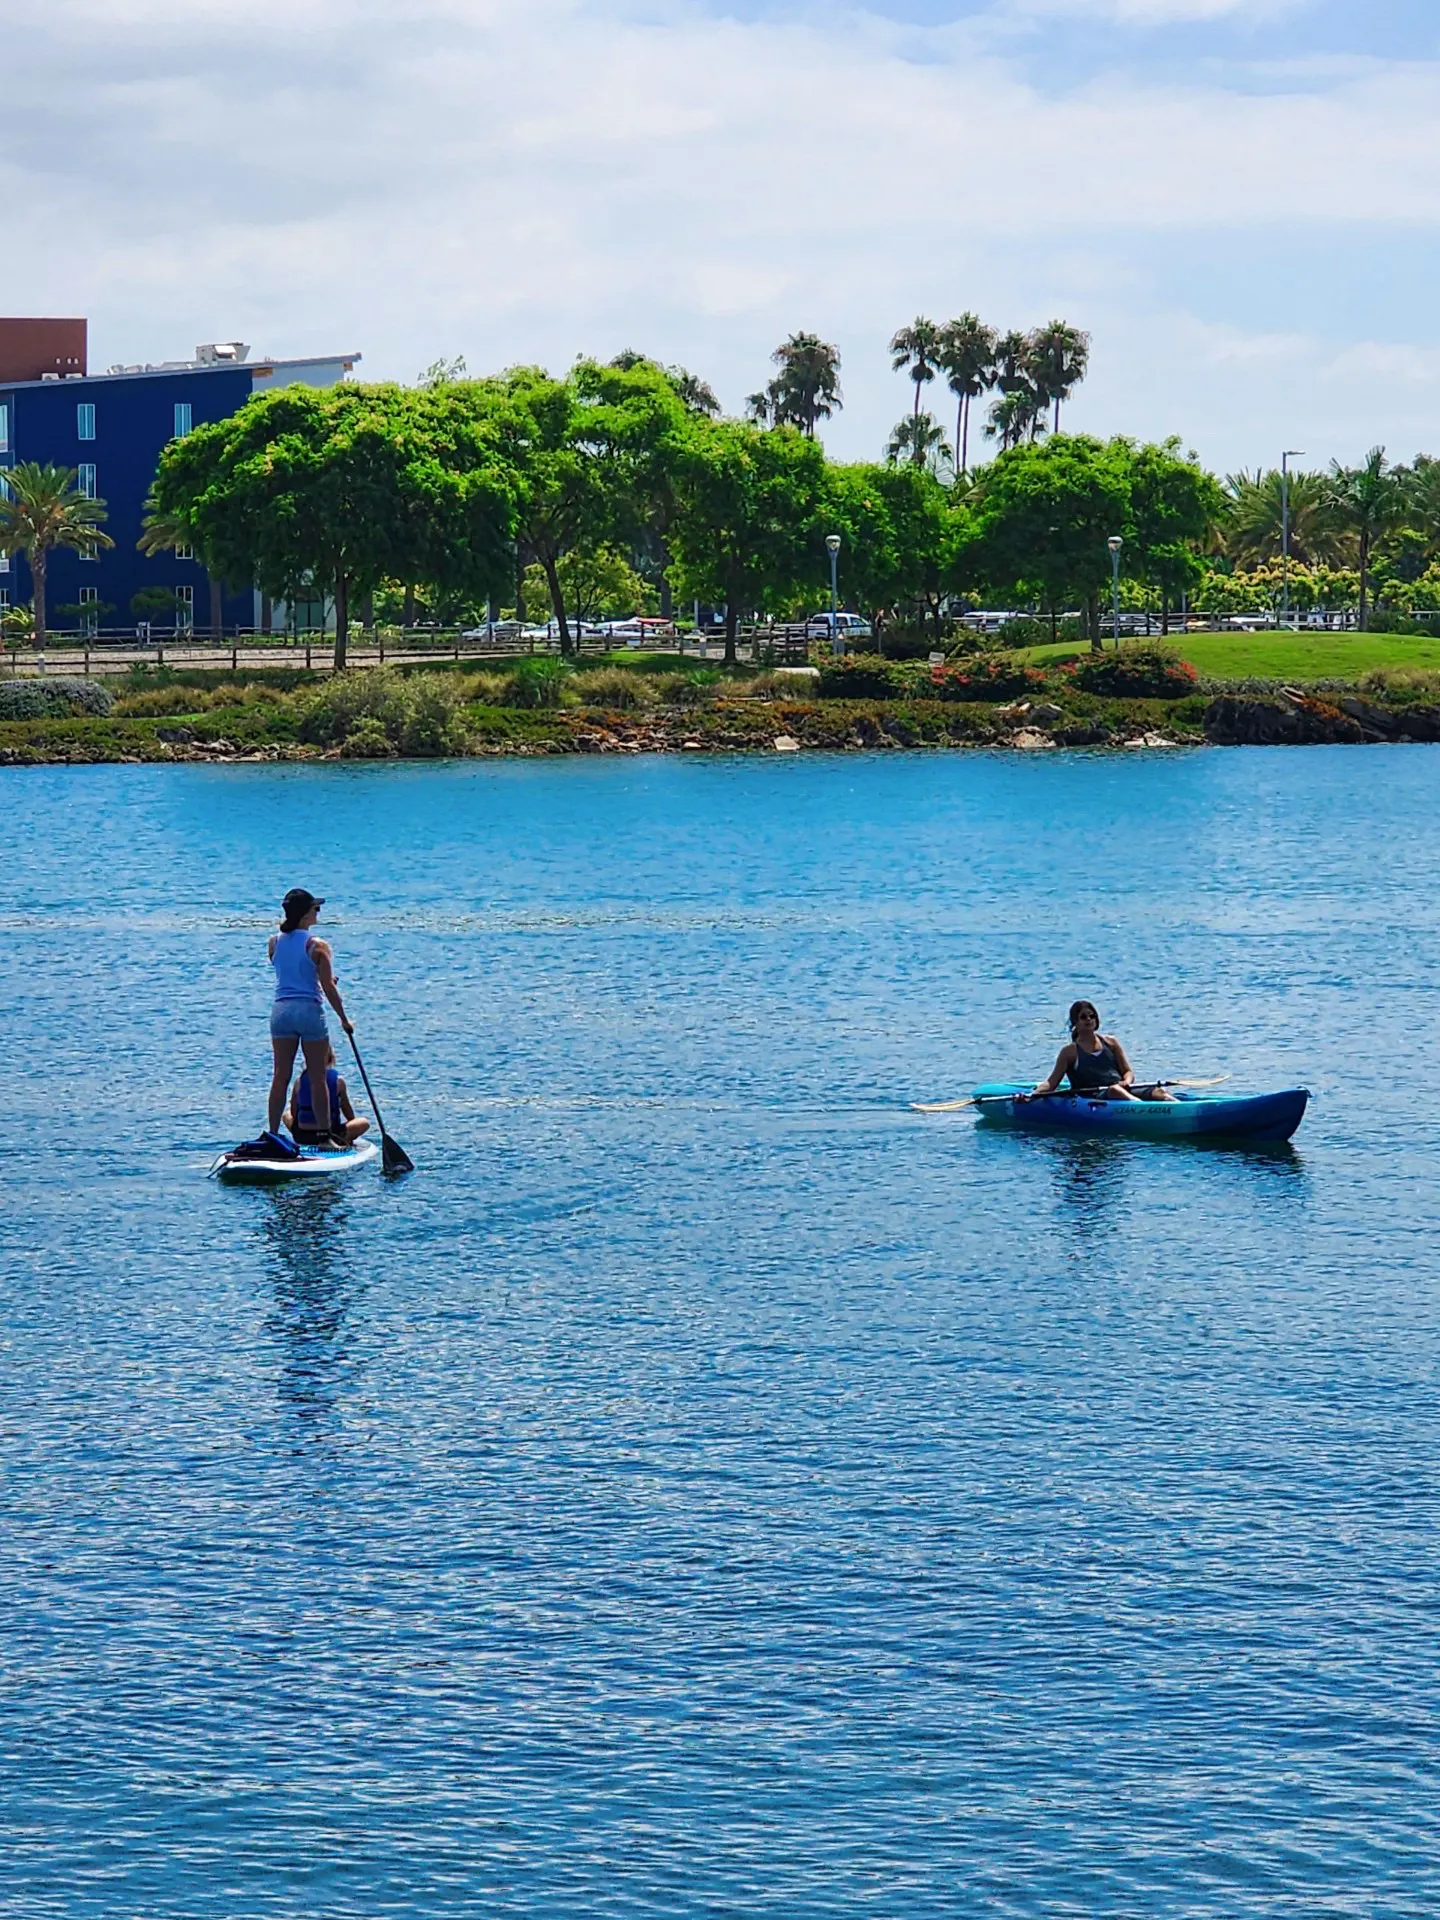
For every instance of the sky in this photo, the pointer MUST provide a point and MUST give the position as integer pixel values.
(1238, 199)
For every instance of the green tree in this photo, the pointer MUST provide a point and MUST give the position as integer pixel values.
(597, 585)
(1040, 520)
(917, 349)
(592, 454)
(1175, 506)
(1057, 359)
(1370, 500)
(41, 509)
(967, 359)
(310, 492)
(165, 533)
(895, 524)
(748, 525)
(1015, 416)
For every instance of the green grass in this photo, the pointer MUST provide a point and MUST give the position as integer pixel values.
(1297, 657)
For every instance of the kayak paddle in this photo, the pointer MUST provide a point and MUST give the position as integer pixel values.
(394, 1158)
(959, 1106)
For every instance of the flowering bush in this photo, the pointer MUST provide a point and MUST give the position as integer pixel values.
(987, 677)
(862, 676)
(1137, 673)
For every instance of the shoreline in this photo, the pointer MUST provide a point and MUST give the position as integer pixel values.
(256, 736)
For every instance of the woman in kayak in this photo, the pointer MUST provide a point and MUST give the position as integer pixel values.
(300, 1115)
(304, 969)
(1095, 1063)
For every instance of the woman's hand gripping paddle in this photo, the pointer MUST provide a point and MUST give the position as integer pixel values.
(393, 1157)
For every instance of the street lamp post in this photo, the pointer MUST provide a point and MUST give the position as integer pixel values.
(832, 547)
(1115, 543)
(1291, 453)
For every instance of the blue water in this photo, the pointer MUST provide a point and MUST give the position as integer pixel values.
(705, 1487)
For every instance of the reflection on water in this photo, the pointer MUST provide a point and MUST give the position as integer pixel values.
(303, 1228)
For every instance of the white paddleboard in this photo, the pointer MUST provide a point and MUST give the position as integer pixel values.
(313, 1161)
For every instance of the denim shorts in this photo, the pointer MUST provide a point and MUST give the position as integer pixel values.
(298, 1020)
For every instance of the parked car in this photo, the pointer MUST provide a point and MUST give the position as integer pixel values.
(496, 630)
(848, 626)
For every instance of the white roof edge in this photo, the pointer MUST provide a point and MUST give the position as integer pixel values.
(187, 366)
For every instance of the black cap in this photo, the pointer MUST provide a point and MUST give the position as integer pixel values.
(298, 902)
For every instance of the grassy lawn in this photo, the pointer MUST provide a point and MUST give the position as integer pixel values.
(1298, 657)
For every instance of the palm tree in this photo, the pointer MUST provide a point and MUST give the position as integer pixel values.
(1252, 530)
(920, 439)
(41, 508)
(1058, 359)
(1014, 415)
(1370, 500)
(695, 394)
(1013, 353)
(917, 348)
(168, 533)
(967, 357)
(807, 388)
(758, 407)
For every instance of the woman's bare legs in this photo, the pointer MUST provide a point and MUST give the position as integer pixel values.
(317, 1059)
(285, 1050)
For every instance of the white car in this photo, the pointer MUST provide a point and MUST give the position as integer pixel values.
(848, 626)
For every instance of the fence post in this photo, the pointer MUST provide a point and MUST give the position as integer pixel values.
(307, 656)
(381, 637)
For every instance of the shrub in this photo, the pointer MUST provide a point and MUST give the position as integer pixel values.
(1137, 673)
(615, 688)
(158, 702)
(779, 686)
(689, 689)
(367, 740)
(861, 676)
(539, 683)
(907, 643)
(988, 677)
(417, 713)
(486, 689)
(52, 698)
(1403, 686)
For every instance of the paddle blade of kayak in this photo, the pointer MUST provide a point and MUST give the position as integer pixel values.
(394, 1158)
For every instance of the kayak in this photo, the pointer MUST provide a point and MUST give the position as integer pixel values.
(1189, 1116)
(312, 1161)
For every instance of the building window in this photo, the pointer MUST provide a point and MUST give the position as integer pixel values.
(88, 598)
(182, 419)
(4, 427)
(184, 553)
(85, 479)
(85, 420)
(4, 599)
(185, 607)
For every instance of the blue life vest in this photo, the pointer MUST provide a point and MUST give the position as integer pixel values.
(304, 1109)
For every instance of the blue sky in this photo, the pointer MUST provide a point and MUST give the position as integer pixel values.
(1239, 199)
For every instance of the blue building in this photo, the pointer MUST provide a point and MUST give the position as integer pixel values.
(111, 429)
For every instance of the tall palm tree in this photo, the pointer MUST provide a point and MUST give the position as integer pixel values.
(758, 407)
(1016, 414)
(167, 533)
(967, 357)
(1370, 500)
(41, 508)
(916, 348)
(920, 439)
(1013, 352)
(695, 394)
(1058, 360)
(807, 388)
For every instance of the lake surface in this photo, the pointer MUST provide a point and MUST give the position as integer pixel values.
(707, 1488)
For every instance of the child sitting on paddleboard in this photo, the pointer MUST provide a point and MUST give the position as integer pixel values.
(1094, 1063)
(345, 1127)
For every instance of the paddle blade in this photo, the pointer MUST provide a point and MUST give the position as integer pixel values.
(942, 1106)
(393, 1157)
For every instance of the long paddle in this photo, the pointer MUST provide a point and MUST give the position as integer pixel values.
(984, 1099)
(393, 1157)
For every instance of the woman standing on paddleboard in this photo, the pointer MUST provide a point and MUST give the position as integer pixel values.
(304, 970)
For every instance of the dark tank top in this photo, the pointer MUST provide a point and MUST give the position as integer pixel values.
(1095, 1070)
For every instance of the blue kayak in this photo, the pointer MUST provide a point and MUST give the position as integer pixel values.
(1189, 1116)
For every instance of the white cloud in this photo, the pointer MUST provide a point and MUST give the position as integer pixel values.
(527, 181)
(1158, 13)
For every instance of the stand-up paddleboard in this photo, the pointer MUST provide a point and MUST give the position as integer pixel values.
(309, 1163)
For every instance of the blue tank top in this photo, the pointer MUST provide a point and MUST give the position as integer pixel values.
(304, 1106)
(295, 976)
(1100, 1069)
